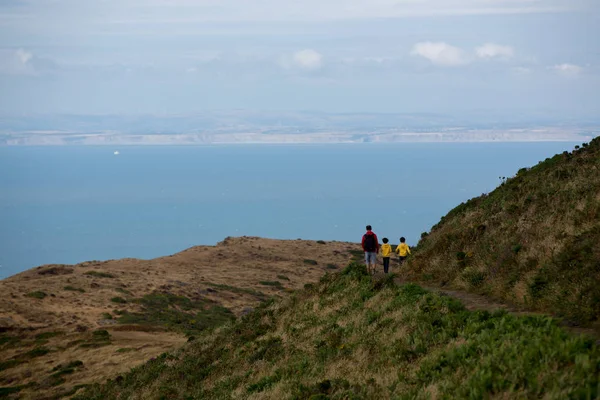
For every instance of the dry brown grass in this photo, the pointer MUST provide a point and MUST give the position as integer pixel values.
(237, 262)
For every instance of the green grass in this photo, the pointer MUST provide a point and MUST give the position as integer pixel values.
(106, 316)
(37, 295)
(67, 369)
(125, 349)
(118, 300)
(37, 352)
(4, 365)
(99, 338)
(74, 289)
(99, 274)
(352, 337)
(9, 340)
(177, 313)
(533, 240)
(259, 295)
(276, 284)
(48, 335)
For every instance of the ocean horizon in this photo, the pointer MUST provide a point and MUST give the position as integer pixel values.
(69, 204)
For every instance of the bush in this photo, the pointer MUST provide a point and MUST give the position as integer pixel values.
(119, 300)
(99, 274)
(37, 295)
(74, 289)
(271, 283)
(310, 262)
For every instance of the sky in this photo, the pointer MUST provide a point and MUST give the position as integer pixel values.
(399, 56)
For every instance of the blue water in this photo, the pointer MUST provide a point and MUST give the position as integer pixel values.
(72, 204)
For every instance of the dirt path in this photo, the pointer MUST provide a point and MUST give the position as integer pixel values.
(475, 302)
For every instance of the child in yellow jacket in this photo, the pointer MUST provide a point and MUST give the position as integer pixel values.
(386, 251)
(402, 250)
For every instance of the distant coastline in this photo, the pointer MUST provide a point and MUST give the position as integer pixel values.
(448, 135)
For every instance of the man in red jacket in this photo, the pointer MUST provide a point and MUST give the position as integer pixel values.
(370, 246)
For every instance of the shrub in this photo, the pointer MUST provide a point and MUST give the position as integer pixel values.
(119, 300)
(321, 242)
(99, 274)
(271, 283)
(74, 289)
(48, 335)
(310, 262)
(37, 295)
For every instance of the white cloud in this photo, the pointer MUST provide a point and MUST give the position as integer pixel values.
(440, 53)
(16, 62)
(492, 50)
(307, 60)
(567, 69)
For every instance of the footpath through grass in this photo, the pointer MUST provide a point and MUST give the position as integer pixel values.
(352, 337)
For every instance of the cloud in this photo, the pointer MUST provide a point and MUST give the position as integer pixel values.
(16, 62)
(492, 50)
(567, 69)
(440, 53)
(307, 60)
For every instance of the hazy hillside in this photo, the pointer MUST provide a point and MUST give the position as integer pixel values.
(64, 326)
(535, 240)
(353, 337)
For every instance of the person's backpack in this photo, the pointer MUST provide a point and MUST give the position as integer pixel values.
(370, 244)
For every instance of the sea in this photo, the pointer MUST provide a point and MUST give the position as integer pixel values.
(69, 204)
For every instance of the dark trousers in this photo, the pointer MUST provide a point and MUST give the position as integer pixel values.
(386, 264)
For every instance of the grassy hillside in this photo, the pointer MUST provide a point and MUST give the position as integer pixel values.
(353, 337)
(65, 326)
(534, 241)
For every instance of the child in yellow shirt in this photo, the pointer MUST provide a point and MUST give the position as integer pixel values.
(402, 250)
(386, 251)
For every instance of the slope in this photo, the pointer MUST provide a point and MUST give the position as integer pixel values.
(534, 241)
(355, 337)
(64, 326)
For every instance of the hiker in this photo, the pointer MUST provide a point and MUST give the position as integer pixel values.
(370, 246)
(402, 250)
(386, 251)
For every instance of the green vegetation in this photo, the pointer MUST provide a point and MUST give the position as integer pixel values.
(37, 295)
(125, 349)
(74, 289)
(99, 338)
(177, 313)
(119, 300)
(99, 274)
(276, 284)
(37, 352)
(283, 277)
(107, 315)
(532, 241)
(260, 295)
(321, 242)
(48, 335)
(310, 262)
(353, 337)
(332, 266)
(8, 340)
(9, 364)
